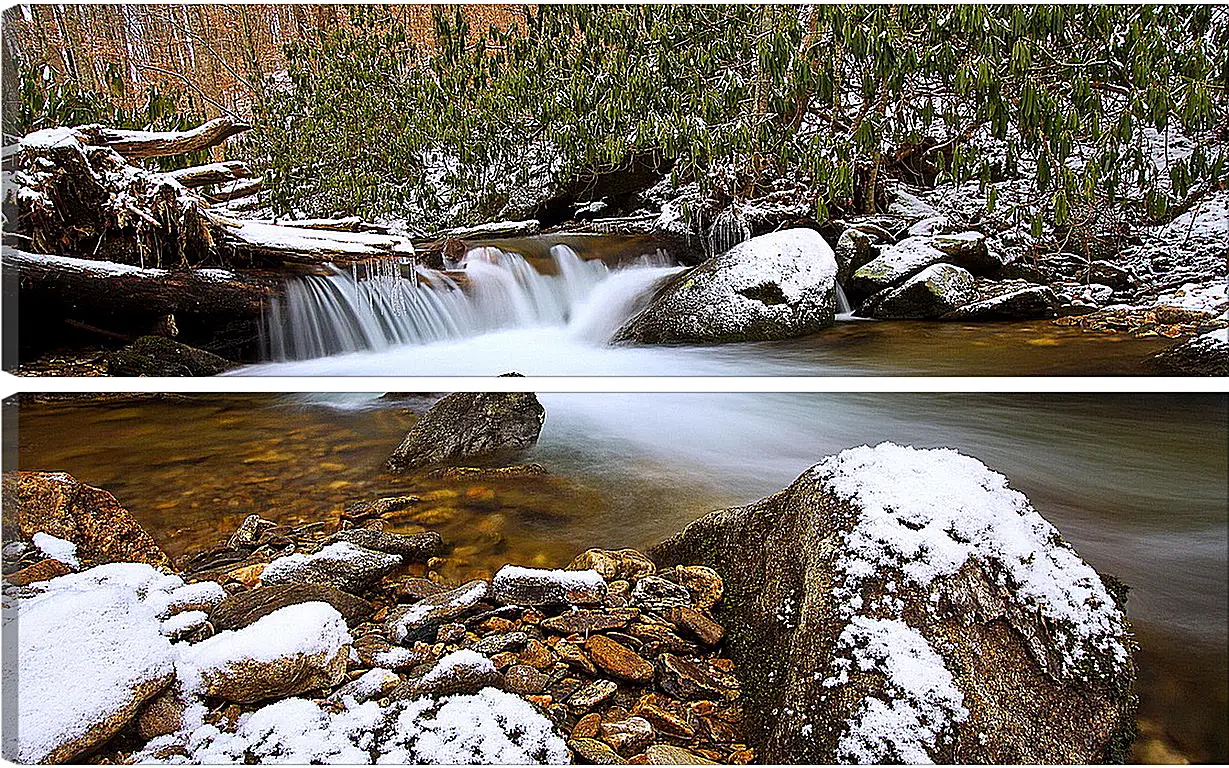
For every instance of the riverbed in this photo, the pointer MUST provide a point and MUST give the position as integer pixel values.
(1137, 483)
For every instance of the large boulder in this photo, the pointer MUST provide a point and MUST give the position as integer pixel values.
(897, 262)
(854, 249)
(58, 504)
(295, 649)
(902, 605)
(470, 425)
(1011, 300)
(931, 293)
(247, 607)
(776, 286)
(1203, 355)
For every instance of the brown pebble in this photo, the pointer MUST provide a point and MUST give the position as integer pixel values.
(495, 625)
(587, 727)
(525, 680)
(537, 654)
(618, 659)
(43, 570)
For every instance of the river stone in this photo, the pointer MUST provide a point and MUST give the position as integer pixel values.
(668, 754)
(1018, 302)
(58, 504)
(525, 680)
(595, 752)
(163, 715)
(592, 695)
(968, 250)
(854, 249)
(415, 548)
(493, 644)
(345, 566)
(574, 657)
(694, 623)
(293, 650)
(627, 736)
(892, 266)
(822, 608)
(618, 660)
(614, 564)
(703, 583)
(459, 672)
(931, 293)
(419, 621)
(685, 678)
(468, 425)
(1203, 355)
(656, 592)
(776, 286)
(586, 621)
(372, 684)
(160, 356)
(515, 585)
(43, 570)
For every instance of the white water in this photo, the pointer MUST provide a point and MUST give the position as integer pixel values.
(322, 317)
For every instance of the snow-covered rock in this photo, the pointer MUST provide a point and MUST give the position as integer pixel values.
(1015, 300)
(515, 585)
(462, 671)
(905, 605)
(343, 565)
(418, 621)
(90, 652)
(775, 286)
(1203, 355)
(295, 649)
(57, 549)
(895, 263)
(488, 728)
(854, 249)
(931, 293)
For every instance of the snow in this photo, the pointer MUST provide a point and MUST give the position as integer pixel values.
(797, 259)
(200, 595)
(467, 660)
(367, 686)
(183, 623)
(477, 590)
(93, 635)
(394, 657)
(288, 238)
(87, 266)
(513, 582)
(924, 513)
(923, 701)
(304, 629)
(57, 549)
(898, 261)
(1212, 298)
(490, 727)
(494, 227)
(49, 138)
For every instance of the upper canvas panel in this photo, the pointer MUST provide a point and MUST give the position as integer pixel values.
(597, 190)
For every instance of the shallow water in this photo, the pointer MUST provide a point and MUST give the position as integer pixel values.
(1136, 482)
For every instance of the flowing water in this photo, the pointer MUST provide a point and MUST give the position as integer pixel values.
(546, 310)
(1137, 483)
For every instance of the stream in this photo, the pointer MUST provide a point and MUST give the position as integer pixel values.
(1137, 483)
(551, 308)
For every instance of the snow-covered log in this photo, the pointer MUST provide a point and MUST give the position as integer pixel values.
(301, 245)
(211, 173)
(139, 144)
(527, 228)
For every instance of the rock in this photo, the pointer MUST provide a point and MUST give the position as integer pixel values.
(57, 504)
(493, 644)
(695, 624)
(584, 622)
(468, 425)
(413, 589)
(43, 570)
(777, 286)
(366, 510)
(883, 559)
(514, 585)
(931, 293)
(968, 250)
(703, 583)
(419, 621)
(414, 548)
(450, 633)
(471, 473)
(372, 684)
(616, 564)
(668, 754)
(459, 672)
(248, 534)
(537, 654)
(525, 680)
(1204, 355)
(345, 566)
(929, 227)
(587, 727)
(293, 650)
(618, 660)
(88, 656)
(854, 250)
(1018, 302)
(593, 694)
(658, 638)
(685, 678)
(574, 657)
(163, 715)
(595, 752)
(893, 265)
(652, 707)
(160, 356)
(627, 736)
(656, 592)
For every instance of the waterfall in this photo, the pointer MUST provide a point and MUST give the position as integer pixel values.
(323, 315)
(842, 303)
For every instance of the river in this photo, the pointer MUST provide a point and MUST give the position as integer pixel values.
(1137, 483)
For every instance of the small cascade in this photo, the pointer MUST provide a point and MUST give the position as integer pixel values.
(843, 309)
(344, 312)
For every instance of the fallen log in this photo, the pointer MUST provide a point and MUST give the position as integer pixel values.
(300, 245)
(140, 144)
(344, 224)
(235, 190)
(495, 229)
(211, 173)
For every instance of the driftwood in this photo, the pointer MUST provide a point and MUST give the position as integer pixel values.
(211, 173)
(86, 288)
(235, 191)
(139, 144)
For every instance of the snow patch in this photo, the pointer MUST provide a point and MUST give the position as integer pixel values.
(57, 549)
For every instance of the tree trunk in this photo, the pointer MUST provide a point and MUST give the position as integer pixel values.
(212, 173)
(139, 144)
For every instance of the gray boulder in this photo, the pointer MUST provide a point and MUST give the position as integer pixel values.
(897, 262)
(342, 565)
(776, 286)
(470, 425)
(415, 548)
(931, 293)
(854, 250)
(1015, 301)
(896, 605)
(160, 356)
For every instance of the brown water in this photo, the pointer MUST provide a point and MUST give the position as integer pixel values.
(1137, 483)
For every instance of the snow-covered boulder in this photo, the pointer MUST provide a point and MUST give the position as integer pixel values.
(1012, 300)
(895, 263)
(515, 585)
(905, 605)
(292, 650)
(854, 249)
(463, 671)
(467, 425)
(91, 650)
(931, 293)
(342, 565)
(408, 623)
(776, 286)
(1203, 355)
(489, 728)
(58, 505)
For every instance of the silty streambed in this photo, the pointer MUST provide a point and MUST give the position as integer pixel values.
(1136, 482)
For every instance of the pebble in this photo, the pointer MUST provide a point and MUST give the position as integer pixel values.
(656, 592)
(695, 623)
(587, 727)
(618, 659)
(575, 657)
(704, 584)
(593, 694)
(595, 752)
(493, 644)
(585, 621)
(627, 736)
(614, 564)
(667, 754)
(525, 680)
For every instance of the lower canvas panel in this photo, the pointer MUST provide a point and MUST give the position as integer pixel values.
(943, 578)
